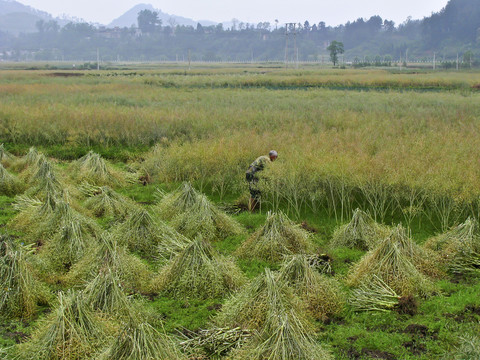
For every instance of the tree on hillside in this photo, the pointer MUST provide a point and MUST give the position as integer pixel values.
(148, 21)
(335, 48)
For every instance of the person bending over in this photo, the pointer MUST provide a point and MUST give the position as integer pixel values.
(252, 177)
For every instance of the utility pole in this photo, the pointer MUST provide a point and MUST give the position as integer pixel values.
(434, 54)
(457, 61)
(295, 45)
(287, 26)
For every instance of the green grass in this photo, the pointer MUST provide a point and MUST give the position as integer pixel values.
(6, 210)
(191, 314)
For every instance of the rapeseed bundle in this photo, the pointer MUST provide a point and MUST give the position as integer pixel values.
(278, 237)
(322, 295)
(199, 272)
(374, 295)
(104, 201)
(9, 184)
(138, 340)
(269, 307)
(214, 342)
(250, 306)
(399, 263)
(30, 158)
(71, 331)
(105, 292)
(130, 271)
(94, 169)
(192, 214)
(361, 232)
(6, 158)
(153, 238)
(19, 291)
(283, 337)
(459, 248)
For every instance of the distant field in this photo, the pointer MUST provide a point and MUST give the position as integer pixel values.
(392, 131)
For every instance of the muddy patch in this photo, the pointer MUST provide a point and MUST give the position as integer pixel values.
(65, 74)
(377, 354)
(407, 305)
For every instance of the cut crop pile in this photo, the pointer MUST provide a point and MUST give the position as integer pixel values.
(153, 238)
(105, 292)
(321, 294)
(199, 272)
(278, 237)
(192, 214)
(20, 292)
(71, 331)
(459, 248)
(361, 232)
(139, 340)
(399, 263)
(130, 271)
(95, 170)
(67, 235)
(269, 306)
(104, 201)
(9, 184)
(6, 158)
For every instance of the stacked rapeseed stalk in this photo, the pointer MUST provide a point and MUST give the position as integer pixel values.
(28, 160)
(284, 337)
(9, 184)
(459, 248)
(322, 295)
(104, 201)
(199, 272)
(71, 331)
(361, 232)
(108, 256)
(138, 340)
(141, 232)
(64, 237)
(278, 237)
(399, 263)
(374, 296)
(192, 214)
(19, 291)
(105, 292)
(5, 157)
(94, 169)
(213, 343)
(269, 306)
(39, 168)
(33, 212)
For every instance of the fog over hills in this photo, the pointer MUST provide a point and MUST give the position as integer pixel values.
(16, 18)
(129, 18)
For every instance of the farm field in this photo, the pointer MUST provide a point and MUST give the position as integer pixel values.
(123, 198)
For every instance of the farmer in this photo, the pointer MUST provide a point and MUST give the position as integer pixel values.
(252, 177)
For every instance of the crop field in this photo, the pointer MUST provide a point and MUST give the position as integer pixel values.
(124, 230)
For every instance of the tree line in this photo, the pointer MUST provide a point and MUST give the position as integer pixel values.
(455, 29)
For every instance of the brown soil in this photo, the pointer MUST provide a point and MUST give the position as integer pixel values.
(377, 354)
(65, 74)
(407, 305)
(308, 228)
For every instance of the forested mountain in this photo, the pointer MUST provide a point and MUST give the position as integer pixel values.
(453, 30)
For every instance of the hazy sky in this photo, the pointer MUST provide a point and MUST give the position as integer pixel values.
(333, 12)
